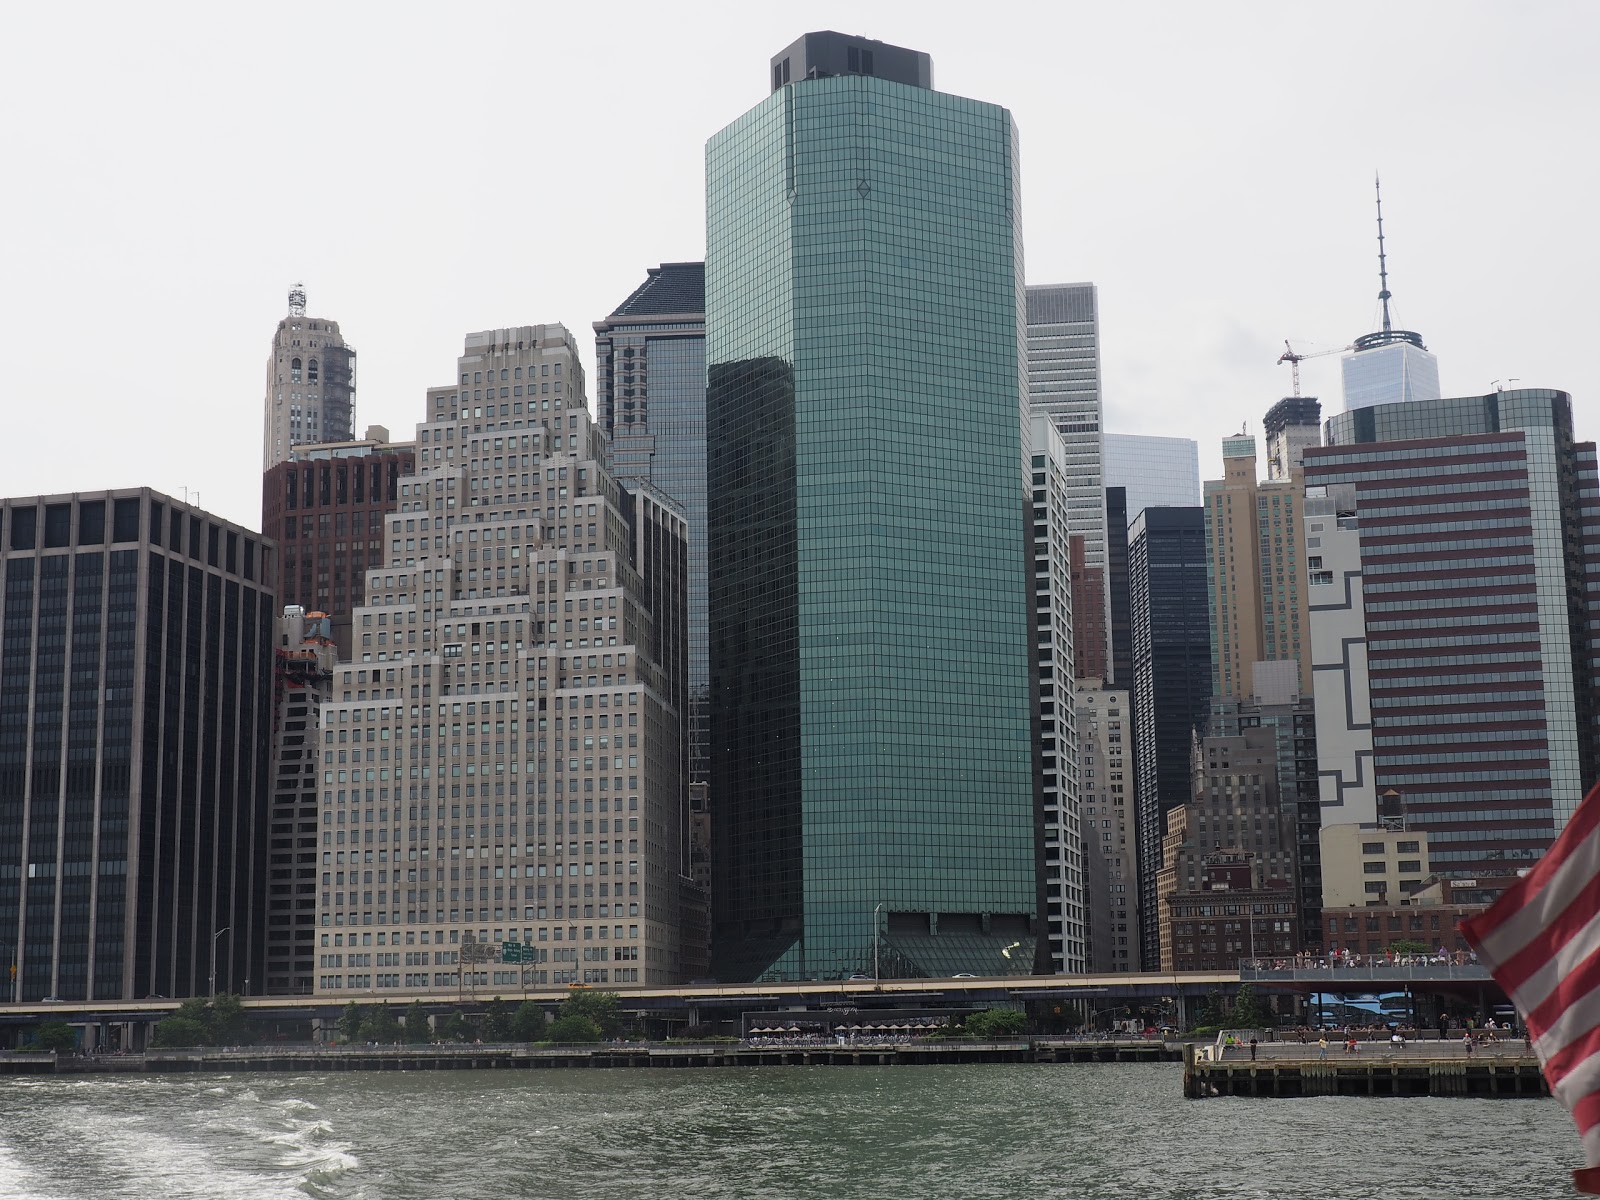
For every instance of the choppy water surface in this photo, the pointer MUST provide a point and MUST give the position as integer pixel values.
(1062, 1132)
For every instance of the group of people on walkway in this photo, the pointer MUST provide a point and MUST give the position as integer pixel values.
(1354, 958)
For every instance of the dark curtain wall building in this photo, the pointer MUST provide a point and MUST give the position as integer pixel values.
(135, 726)
(1171, 682)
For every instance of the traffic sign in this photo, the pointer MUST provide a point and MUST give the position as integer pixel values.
(511, 952)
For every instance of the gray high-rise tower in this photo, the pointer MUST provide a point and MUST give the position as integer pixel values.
(1064, 381)
(311, 384)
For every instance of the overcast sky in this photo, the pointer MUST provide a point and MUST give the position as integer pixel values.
(429, 170)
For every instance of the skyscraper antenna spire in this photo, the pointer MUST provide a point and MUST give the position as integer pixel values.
(1383, 266)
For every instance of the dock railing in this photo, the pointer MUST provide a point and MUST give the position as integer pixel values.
(1340, 974)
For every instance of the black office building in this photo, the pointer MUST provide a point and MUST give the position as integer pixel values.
(135, 724)
(1171, 682)
(1118, 600)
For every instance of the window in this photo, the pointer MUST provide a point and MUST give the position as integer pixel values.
(1372, 847)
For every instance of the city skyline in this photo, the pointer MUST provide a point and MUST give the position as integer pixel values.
(1192, 324)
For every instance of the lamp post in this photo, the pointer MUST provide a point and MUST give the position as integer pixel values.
(214, 938)
(876, 908)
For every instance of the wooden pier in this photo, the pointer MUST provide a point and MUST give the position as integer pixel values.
(1377, 1074)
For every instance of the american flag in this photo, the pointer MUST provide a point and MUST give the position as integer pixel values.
(1541, 942)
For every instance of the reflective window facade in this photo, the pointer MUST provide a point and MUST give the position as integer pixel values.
(1396, 373)
(871, 773)
(1153, 470)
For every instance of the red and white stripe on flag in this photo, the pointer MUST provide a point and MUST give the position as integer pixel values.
(1541, 942)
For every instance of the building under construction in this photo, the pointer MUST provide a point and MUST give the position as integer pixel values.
(302, 678)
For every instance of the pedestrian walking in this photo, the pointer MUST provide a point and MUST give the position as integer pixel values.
(1252, 1047)
(1322, 1046)
(1466, 1040)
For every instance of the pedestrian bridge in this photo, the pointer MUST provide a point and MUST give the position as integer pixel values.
(1314, 975)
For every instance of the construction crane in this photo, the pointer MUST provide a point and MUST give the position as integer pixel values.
(1294, 358)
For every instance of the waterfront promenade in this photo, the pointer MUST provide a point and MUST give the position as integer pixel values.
(524, 1056)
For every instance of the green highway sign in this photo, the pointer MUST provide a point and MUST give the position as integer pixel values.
(511, 952)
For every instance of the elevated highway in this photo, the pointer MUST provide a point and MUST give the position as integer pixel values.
(702, 1003)
(685, 1001)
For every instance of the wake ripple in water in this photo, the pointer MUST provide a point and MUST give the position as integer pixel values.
(318, 1159)
(17, 1182)
(1083, 1132)
(139, 1139)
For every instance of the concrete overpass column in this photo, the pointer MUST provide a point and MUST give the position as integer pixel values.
(1183, 1010)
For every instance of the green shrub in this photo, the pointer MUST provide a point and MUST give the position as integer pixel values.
(57, 1036)
(528, 1022)
(180, 1031)
(574, 1029)
(599, 1007)
(995, 1023)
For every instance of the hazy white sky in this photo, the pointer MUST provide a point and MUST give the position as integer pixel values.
(428, 170)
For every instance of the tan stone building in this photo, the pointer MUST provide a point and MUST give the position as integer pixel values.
(1106, 797)
(1372, 864)
(502, 761)
(1255, 571)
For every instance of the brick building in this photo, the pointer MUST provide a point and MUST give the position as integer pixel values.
(325, 507)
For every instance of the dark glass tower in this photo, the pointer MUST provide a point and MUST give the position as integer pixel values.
(1171, 682)
(1117, 587)
(135, 725)
(871, 775)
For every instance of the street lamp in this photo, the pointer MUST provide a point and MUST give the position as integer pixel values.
(214, 938)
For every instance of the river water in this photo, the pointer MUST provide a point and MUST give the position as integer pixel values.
(1063, 1132)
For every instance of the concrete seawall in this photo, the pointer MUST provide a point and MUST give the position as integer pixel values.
(525, 1057)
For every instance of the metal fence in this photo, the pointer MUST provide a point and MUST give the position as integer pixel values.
(1338, 975)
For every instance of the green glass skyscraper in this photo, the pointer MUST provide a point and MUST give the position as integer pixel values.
(872, 766)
